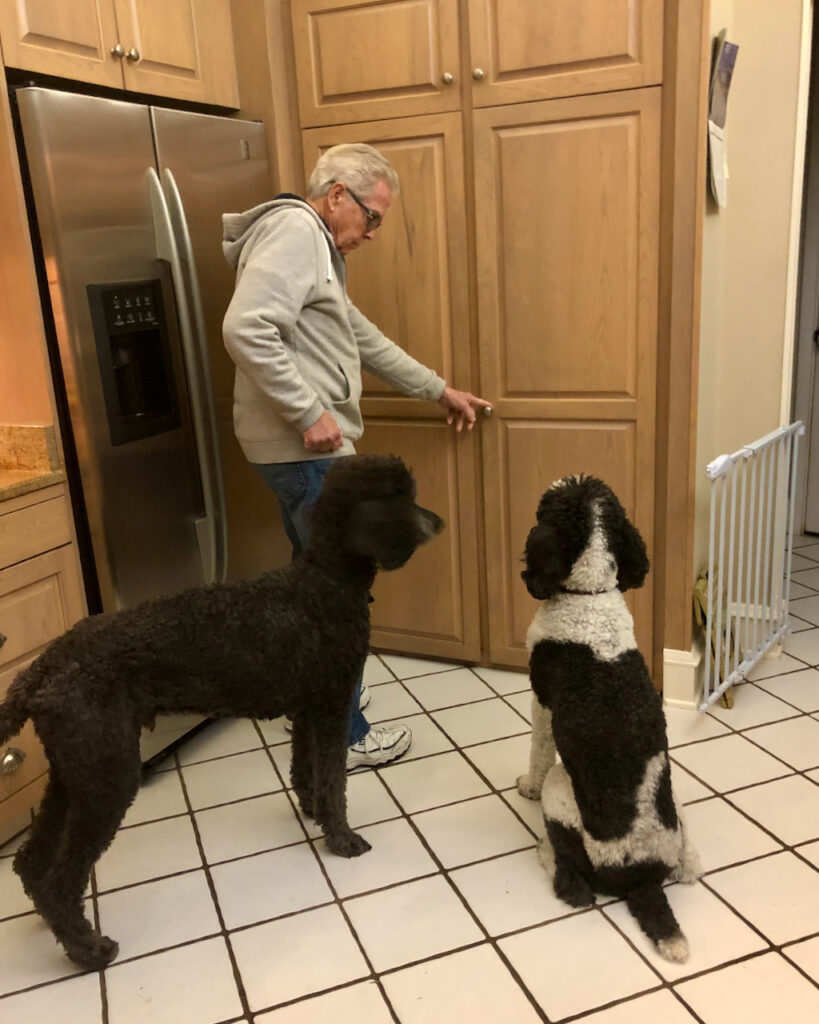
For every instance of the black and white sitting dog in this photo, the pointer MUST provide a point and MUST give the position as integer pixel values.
(612, 824)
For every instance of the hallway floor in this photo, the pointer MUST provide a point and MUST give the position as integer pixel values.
(227, 907)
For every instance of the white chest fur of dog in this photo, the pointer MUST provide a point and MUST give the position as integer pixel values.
(590, 610)
(600, 621)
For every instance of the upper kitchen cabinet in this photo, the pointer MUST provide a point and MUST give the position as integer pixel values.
(522, 51)
(359, 61)
(177, 48)
(69, 38)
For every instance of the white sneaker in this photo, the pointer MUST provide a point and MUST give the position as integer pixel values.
(363, 702)
(382, 744)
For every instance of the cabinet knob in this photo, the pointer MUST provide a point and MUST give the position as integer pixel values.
(447, 78)
(132, 54)
(487, 412)
(2, 639)
(477, 74)
(11, 760)
(118, 51)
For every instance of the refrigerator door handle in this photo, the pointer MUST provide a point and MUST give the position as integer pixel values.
(166, 250)
(182, 236)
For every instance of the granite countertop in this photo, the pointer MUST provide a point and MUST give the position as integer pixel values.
(14, 482)
(29, 460)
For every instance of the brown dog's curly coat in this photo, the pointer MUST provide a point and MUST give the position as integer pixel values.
(290, 641)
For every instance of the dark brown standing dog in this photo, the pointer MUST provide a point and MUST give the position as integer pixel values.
(292, 641)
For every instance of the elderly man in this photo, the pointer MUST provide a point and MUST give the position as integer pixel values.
(299, 344)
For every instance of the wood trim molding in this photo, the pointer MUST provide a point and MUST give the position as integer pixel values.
(25, 383)
(685, 89)
(266, 73)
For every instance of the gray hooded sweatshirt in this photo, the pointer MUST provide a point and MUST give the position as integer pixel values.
(297, 340)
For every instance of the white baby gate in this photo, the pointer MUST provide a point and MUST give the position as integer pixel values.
(749, 562)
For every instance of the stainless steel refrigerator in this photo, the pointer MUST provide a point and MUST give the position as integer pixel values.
(128, 202)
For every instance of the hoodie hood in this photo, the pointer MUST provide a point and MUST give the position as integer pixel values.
(237, 228)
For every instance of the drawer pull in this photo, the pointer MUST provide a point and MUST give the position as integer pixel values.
(2, 639)
(11, 761)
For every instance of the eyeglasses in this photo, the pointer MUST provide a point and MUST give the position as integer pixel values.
(373, 218)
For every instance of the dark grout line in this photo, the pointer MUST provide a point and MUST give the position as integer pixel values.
(97, 924)
(446, 872)
(479, 924)
(237, 977)
(795, 942)
(744, 734)
(337, 901)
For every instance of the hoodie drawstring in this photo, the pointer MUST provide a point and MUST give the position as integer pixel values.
(329, 260)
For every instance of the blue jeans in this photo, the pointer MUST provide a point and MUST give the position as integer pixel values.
(297, 486)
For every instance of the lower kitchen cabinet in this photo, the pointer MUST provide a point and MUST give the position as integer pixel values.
(41, 595)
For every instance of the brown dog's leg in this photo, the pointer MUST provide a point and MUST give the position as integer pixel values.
(36, 856)
(330, 782)
(89, 829)
(303, 764)
(95, 761)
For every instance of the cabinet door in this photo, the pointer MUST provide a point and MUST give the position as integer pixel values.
(411, 281)
(363, 59)
(39, 599)
(179, 48)
(70, 38)
(529, 51)
(567, 241)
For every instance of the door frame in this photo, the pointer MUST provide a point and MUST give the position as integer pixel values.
(682, 200)
(807, 311)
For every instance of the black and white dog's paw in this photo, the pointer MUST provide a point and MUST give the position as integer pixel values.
(527, 788)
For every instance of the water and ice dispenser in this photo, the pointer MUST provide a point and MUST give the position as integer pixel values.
(134, 358)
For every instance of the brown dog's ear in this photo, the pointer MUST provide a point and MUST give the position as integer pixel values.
(544, 570)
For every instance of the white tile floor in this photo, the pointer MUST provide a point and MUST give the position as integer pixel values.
(228, 908)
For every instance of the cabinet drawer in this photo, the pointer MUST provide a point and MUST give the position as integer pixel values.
(25, 532)
(31, 609)
(15, 812)
(34, 761)
(39, 599)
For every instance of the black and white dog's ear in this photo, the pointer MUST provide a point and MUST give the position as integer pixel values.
(545, 569)
(629, 549)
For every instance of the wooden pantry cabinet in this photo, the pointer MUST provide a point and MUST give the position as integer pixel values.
(567, 271)
(177, 48)
(522, 259)
(390, 58)
(431, 606)
(40, 597)
(566, 264)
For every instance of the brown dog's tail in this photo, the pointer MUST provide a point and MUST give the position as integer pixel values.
(649, 905)
(14, 711)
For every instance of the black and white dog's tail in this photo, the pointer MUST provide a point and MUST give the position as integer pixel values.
(650, 907)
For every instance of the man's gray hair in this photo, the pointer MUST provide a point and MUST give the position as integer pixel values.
(355, 164)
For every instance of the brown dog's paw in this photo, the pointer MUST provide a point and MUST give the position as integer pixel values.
(93, 951)
(306, 806)
(347, 844)
(527, 788)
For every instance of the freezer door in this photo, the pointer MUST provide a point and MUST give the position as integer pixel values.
(120, 358)
(219, 165)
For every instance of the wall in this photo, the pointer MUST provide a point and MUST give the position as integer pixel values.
(25, 387)
(746, 331)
